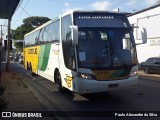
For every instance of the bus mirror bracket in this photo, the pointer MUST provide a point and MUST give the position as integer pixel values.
(74, 34)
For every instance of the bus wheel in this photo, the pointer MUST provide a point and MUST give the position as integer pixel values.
(30, 69)
(27, 66)
(59, 82)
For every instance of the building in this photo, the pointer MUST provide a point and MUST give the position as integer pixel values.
(149, 20)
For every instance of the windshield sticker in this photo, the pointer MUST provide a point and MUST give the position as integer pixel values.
(82, 56)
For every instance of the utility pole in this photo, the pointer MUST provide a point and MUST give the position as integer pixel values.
(8, 46)
(1, 50)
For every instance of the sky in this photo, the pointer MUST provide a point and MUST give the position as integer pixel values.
(53, 8)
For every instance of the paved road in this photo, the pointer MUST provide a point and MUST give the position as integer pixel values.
(145, 97)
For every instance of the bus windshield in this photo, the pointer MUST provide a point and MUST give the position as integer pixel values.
(104, 47)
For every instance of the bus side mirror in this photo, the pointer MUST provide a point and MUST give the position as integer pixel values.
(143, 33)
(74, 34)
(144, 36)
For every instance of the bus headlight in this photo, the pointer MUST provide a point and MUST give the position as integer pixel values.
(86, 76)
(133, 73)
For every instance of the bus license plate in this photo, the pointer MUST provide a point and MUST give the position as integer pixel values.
(112, 85)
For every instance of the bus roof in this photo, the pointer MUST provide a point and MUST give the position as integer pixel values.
(84, 11)
(72, 12)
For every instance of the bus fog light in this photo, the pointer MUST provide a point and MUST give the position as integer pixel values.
(133, 73)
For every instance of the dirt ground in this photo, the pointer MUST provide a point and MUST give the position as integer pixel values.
(18, 95)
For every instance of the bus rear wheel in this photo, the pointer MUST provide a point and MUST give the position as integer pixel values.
(30, 69)
(59, 82)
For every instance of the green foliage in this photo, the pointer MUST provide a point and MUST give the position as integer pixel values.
(28, 25)
(35, 21)
(19, 46)
(19, 33)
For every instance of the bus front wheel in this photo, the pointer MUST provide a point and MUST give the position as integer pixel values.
(59, 82)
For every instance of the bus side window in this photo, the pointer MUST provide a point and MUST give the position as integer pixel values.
(41, 36)
(70, 52)
(66, 41)
(54, 31)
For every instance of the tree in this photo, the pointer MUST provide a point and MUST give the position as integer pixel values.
(28, 25)
(35, 21)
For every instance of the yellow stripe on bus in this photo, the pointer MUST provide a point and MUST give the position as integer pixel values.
(31, 56)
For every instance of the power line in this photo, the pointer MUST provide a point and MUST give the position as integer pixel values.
(25, 11)
(21, 12)
(21, 1)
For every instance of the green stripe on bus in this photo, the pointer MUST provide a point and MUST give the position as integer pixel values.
(43, 57)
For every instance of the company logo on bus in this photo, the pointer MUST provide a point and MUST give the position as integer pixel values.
(96, 17)
(32, 51)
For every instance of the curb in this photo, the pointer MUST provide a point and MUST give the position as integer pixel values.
(149, 77)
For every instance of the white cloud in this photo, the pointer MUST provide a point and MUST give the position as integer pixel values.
(131, 2)
(68, 7)
(67, 4)
(136, 5)
(144, 2)
(151, 2)
(100, 5)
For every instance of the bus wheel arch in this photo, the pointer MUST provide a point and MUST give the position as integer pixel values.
(30, 69)
(27, 66)
(58, 80)
(55, 73)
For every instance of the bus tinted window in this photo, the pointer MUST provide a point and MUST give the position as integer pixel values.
(32, 39)
(50, 33)
(44, 35)
(54, 31)
(68, 50)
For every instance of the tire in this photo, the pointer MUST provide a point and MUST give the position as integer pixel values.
(146, 70)
(30, 70)
(59, 82)
(27, 66)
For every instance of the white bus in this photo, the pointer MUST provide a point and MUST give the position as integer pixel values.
(84, 51)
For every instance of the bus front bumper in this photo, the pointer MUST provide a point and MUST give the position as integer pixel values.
(94, 86)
